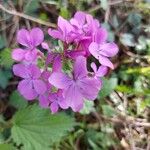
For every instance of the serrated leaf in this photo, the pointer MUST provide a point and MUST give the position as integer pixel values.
(108, 86)
(5, 58)
(37, 129)
(6, 147)
(17, 100)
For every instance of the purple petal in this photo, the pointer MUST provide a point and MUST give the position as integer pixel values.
(53, 97)
(80, 17)
(74, 22)
(18, 54)
(43, 101)
(37, 36)
(64, 25)
(39, 86)
(63, 104)
(101, 35)
(45, 46)
(25, 88)
(109, 49)
(105, 62)
(20, 70)
(94, 48)
(61, 101)
(60, 80)
(102, 71)
(75, 53)
(90, 87)
(34, 71)
(94, 67)
(57, 64)
(54, 107)
(74, 98)
(31, 55)
(23, 37)
(55, 34)
(79, 69)
(45, 75)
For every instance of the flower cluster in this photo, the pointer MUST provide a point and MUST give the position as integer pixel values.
(59, 78)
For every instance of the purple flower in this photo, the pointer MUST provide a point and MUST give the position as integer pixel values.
(103, 52)
(57, 100)
(30, 40)
(31, 86)
(78, 87)
(64, 30)
(87, 30)
(100, 72)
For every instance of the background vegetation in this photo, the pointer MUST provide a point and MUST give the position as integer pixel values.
(120, 117)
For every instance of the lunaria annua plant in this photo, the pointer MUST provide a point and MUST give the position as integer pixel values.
(61, 79)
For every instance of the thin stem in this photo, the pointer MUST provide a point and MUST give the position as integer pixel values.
(13, 12)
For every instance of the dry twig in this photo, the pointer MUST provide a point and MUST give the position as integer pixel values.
(13, 12)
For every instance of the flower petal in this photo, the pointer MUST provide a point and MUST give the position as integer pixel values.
(18, 54)
(79, 69)
(34, 71)
(20, 70)
(90, 87)
(94, 48)
(25, 88)
(60, 80)
(109, 49)
(61, 100)
(102, 70)
(105, 62)
(55, 34)
(75, 53)
(43, 101)
(39, 86)
(23, 37)
(57, 64)
(54, 107)
(31, 55)
(74, 98)
(101, 35)
(80, 17)
(94, 67)
(37, 36)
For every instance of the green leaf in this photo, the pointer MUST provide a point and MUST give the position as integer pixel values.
(115, 22)
(17, 100)
(124, 88)
(37, 129)
(108, 110)
(5, 75)
(31, 7)
(5, 58)
(108, 87)
(6, 147)
(104, 4)
(2, 42)
(64, 12)
(127, 39)
(88, 107)
(135, 19)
